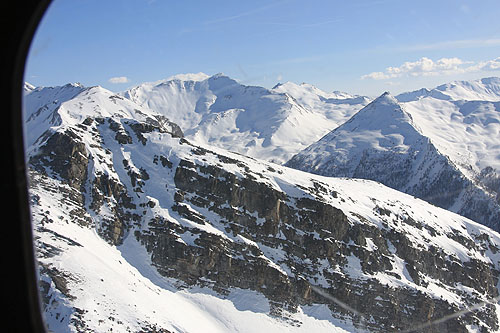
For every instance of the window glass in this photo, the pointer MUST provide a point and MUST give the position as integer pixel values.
(265, 166)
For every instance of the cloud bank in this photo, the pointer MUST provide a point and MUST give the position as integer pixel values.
(427, 67)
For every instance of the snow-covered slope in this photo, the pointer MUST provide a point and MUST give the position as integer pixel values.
(337, 106)
(419, 148)
(380, 142)
(383, 127)
(89, 285)
(465, 127)
(48, 109)
(39, 105)
(486, 89)
(254, 121)
(463, 120)
(138, 229)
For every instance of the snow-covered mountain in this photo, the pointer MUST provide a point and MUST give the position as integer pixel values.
(443, 150)
(39, 106)
(487, 89)
(138, 229)
(464, 127)
(337, 106)
(254, 121)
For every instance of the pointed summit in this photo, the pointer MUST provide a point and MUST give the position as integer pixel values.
(220, 81)
(374, 144)
(384, 113)
(382, 142)
(386, 98)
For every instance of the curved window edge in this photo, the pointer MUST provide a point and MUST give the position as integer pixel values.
(20, 275)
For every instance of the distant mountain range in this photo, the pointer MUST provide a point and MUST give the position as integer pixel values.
(267, 124)
(144, 221)
(441, 145)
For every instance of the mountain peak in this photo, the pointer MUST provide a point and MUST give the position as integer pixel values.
(218, 75)
(73, 85)
(277, 85)
(383, 125)
(387, 114)
(413, 95)
(384, 104)
(386, 97)
(220, 82)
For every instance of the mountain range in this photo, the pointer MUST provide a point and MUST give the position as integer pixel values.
(440, 145)
(270, 124)
(146, 221)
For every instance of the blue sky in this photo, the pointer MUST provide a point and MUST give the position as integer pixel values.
(362, 47)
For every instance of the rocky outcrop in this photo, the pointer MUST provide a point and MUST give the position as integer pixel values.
(66, 156)
(313, 237)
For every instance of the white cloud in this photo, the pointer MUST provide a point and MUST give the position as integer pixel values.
(427, 67)
(119, 79)
(376, 76)
(490, 65)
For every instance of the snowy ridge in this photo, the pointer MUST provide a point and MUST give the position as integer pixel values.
(266, 124)
(70, 105)
(382, 126)
(465, 128)
(41, 103)
(465, 131)
(337, 106)
(28, 87)
(486, 89)
(422, 153)
(189, 77)
(180, 236)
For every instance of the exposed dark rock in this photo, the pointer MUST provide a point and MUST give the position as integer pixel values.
(66, 155)
(122, 136)
(106, 189)
(309, 232)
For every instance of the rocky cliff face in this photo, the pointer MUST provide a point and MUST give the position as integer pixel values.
(188, 216)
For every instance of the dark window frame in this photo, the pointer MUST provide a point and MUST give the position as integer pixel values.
(20, 281)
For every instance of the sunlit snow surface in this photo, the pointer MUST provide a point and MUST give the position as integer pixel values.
(462, 119)
(467, 131)
(268, 124)
(118, 288)
(414, 141)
